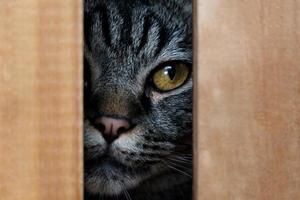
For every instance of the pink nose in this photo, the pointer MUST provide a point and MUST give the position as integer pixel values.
(111, 128)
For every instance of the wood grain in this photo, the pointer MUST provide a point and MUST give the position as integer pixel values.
(41, 100)
(247, 99)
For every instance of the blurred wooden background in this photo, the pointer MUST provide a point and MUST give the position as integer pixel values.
(40, 100)
(247, 99)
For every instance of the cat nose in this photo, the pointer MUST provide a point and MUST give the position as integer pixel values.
(111, 128)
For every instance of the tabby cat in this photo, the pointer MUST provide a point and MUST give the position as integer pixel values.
(138, 99)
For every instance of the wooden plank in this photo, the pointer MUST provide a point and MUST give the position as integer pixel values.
(41, 100)
(247, 99)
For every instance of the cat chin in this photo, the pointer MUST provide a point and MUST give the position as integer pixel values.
(110, 181)
(110, 188)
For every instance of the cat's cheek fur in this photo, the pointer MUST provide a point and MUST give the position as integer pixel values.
(94, 143)
(125, 149)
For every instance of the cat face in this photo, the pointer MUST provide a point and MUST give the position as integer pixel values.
(138, 92)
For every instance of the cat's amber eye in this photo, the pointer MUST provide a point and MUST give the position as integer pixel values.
(171, 76)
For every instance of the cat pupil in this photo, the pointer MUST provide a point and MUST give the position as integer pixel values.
(170, 71)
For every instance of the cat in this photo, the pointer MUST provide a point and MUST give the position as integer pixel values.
(138, 99)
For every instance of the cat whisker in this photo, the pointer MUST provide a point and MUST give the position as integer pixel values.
(180, 161)
(180, 166)
(117, 197)
(176, 167)
(127, 195)
(183, 158)
(180, 171)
